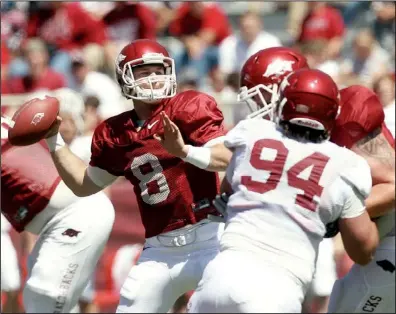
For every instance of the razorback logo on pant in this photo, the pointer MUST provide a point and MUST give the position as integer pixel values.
(71, 233)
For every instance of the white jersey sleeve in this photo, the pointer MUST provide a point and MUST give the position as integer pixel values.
(354, 186)
(237, 136)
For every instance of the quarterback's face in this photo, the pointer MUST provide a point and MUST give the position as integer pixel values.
(145, 71)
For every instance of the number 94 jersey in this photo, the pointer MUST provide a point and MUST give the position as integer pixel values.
(170, 192)
(286, 191)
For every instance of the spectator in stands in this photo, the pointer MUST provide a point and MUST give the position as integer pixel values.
(224, 95)
(237, 48)
(65, 26)
(165, 12)
(385, 25)
(13, 25)
(82, 143)
(323, 22)
(315, 52)
(369, 61)
(385, 88)
(351, 10)
(92, 83)
(126, 22)
(40, 75)
(5, 60)
(201, 27)
(97, 9)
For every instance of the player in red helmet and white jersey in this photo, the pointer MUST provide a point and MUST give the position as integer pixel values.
(361, 128)
(72, 231)
(261, 76)
(288, 181)
(174, 197)
(260, 79)
(358, 119)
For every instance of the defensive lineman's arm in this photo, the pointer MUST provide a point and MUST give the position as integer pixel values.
(381, 158)
(73, 171)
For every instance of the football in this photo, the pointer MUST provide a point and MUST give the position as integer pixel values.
(33, 120)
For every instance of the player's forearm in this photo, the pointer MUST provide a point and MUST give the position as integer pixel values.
(215, 158)
(381, 200)
(71, 168)
(360, 238)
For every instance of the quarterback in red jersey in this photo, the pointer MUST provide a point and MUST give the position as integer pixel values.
(174, 197)
(72, 231)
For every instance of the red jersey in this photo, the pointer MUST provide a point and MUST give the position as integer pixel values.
(28, 180)
(361, 114)
(170, 192)
(324, 23)
(130, 21)
(212, 18)
(50, 80)
(68, 27)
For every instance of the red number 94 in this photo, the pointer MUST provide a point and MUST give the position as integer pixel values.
(310, 187)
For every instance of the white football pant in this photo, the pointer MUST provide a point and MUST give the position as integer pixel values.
(10, 274)
(370, 288)
(240, 282)
(66, 254)
(170, 265)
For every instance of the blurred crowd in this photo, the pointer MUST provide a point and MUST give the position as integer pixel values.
(55, 45)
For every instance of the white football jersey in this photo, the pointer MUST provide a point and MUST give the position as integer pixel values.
(5, 225)
(286, 191)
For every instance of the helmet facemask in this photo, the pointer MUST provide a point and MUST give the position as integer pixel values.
(145, 88)
(255, 99)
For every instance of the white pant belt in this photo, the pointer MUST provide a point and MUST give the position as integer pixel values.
(199, 232)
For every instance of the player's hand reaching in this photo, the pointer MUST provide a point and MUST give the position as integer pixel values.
(171, 140)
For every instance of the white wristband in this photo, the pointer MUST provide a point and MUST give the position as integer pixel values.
(198, 156)
(55, 142)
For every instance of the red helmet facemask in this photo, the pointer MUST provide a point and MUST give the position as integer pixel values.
(261, 76)
(153, 87)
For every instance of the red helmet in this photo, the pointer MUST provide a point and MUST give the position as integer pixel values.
(309, 98)
(261, 75)
(139, 52)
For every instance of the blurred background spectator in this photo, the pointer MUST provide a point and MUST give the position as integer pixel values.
(368, 62)
(385, 88)
(323, 22)
(125, 22)
(201, 27)
(100, 85)
(237, 48)
(40, 75)
(68, 49)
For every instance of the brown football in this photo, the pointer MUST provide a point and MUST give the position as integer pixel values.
(33, 120)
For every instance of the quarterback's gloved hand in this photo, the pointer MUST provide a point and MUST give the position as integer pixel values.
(220, 203)
(332, 229)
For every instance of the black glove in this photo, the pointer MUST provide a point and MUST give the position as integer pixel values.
(332, 229)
